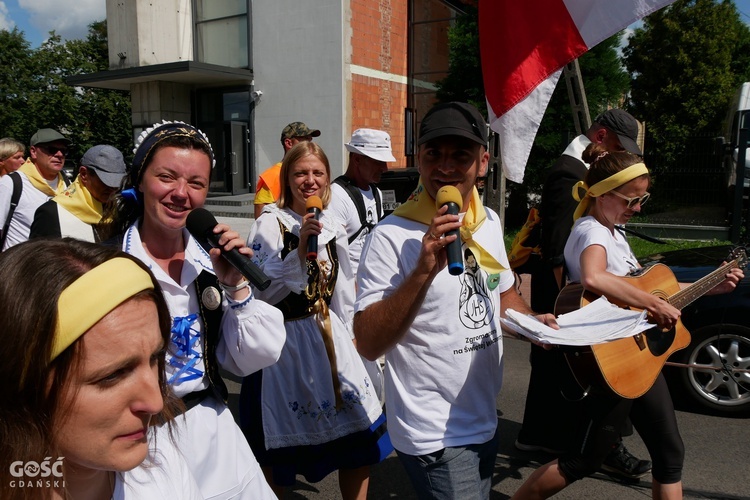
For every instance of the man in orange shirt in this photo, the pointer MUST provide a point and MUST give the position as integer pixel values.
(268, 190)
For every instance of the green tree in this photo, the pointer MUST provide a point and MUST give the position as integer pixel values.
(15, 84)
(686, 62)
(464, 80)
(43, 99)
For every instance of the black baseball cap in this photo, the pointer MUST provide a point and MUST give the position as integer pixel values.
(453, 118)
(624, 125)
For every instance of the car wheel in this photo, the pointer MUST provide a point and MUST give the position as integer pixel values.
(718, 378)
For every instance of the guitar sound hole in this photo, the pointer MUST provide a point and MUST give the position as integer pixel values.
(659, 341)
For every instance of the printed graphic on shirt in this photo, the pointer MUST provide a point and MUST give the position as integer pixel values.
(370, 218)
(475, 302)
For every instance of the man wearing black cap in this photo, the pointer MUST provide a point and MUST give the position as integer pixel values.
(41, 178)
(440, 333)
(268, 187)
(618, 131)
(78, 210)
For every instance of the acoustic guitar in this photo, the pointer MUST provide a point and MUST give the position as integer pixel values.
(629, 366)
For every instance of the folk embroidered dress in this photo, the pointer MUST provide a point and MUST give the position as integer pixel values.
(319, 390)
(251, 337)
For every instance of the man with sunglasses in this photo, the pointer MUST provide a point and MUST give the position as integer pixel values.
(618, 131)
(41, 178)
(78, 211)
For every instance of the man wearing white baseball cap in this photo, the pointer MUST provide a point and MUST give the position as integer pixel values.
(355, 198)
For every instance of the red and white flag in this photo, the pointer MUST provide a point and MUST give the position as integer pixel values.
(525, 44)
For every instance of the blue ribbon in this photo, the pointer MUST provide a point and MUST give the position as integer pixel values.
(186, 357)
(132, 195)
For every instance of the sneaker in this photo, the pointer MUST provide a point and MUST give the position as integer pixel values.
(536, 447)
(620, 463)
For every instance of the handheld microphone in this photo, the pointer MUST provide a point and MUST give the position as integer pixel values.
(313, 205)
(201, 223)
(449, 195)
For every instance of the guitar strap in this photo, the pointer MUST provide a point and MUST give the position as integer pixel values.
(642, 236)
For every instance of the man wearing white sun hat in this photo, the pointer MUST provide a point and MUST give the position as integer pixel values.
(357, 202)
(355, 198)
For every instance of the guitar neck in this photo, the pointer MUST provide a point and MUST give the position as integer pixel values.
(693, 292)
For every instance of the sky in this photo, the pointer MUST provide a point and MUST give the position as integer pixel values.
(36, 18)
(70, 18)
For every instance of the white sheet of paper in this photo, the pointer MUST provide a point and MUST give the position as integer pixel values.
(600, 321)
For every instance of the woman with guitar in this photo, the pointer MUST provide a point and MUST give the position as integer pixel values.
(597, 255)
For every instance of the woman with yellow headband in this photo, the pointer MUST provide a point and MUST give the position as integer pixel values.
(314, 411)
(598, 255)
(216, 323)
(83, 377)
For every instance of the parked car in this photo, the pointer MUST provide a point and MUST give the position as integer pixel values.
(718, 376)
(738, 117)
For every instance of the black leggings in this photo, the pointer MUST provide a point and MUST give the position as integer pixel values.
(653, 417)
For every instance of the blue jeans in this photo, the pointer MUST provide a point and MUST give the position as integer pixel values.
(463, 472)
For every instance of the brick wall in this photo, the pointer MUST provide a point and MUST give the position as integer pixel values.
(379, 57)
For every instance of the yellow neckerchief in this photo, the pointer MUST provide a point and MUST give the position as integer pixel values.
(78, 201)
(420, 207)
(40, 182)
(604, 186)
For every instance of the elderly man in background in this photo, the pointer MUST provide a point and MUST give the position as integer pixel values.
(36, 181)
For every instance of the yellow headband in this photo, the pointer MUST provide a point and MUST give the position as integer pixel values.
(605, 186)
(93, 295)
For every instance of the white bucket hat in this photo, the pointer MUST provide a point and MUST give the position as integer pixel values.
(375, 144)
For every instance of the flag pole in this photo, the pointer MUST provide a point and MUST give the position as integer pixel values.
(577, 95)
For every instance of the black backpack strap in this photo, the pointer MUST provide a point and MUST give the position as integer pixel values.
(356, 195)
(14, 199)
(378, 201)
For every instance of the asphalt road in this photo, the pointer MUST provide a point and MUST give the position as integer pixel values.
(717, 465)
(717, 462)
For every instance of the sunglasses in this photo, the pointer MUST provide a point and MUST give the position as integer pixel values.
(52, 150)
(632, 202)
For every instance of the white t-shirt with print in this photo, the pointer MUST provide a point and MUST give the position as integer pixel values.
(443, 376)
(344, 209)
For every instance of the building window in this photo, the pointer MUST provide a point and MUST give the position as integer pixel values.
(429, 22)
(222, 30)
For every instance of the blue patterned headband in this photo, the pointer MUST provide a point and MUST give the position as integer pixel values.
(157, 133)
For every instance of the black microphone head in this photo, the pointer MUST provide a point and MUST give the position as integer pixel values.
(200, 222)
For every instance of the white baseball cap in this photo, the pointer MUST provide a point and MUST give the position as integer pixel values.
(375, 144)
